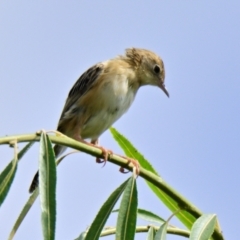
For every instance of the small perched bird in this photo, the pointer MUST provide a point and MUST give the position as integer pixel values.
(104, 93)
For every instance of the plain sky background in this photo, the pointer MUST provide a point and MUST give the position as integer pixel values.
(192, 138)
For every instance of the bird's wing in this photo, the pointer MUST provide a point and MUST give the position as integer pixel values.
(82, 85)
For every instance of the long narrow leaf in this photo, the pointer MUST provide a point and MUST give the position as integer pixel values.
(24, 150)
(149, 216)
(162, 232)
(81, 236)
(96, 227)
(7, 175)
(23, 213)
(151, 233)
(29, 202)
(6, 178)
(47, 187)
(127, 216)
(186, 218)
(203, 228)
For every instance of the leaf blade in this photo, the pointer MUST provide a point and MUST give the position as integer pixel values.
(203, 227)
(186, 218)
(101, 218)
(23, 213)
(8, 174)
(149, 216)
(127, 217)
(151, 233)
(47, 187)
(162, 232)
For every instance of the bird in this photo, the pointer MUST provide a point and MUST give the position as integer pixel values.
(103, 93)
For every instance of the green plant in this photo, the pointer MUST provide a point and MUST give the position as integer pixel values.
(201, 226)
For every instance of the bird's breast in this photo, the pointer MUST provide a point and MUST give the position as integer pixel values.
(113, 101)
(118, 96)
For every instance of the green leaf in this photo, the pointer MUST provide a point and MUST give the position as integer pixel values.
(127, 216)
(162, 232)
(23, 213)
(149, 216)
(186, 218)
(82, 236)
(203, 227)
(97, 225)
(29, 202)
(151, 233)
(7, 175)
(6, 179)
(47, 186)
(131, 151)
(24, 150)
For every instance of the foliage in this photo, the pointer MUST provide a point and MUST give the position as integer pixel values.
(199, 225)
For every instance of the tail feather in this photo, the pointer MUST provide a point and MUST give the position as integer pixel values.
(58, 150)
(34, 183)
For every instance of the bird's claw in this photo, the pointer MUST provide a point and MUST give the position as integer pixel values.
(135, 164)
(105, 154)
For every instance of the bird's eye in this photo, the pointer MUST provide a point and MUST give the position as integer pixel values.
(156, 69)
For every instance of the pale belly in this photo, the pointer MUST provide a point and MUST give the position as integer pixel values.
(117, 101)
(98, 124)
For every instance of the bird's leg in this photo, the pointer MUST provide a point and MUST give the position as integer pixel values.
(105, 152)
(79, 139)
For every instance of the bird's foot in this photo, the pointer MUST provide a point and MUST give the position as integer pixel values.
(134, 162)
(105, 154)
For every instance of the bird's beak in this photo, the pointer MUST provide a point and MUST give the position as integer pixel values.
(162, 86)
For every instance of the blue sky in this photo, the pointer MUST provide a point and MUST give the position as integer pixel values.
(192, 138)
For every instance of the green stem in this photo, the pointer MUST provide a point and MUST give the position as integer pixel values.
(139, 229)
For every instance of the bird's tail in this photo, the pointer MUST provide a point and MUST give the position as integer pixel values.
(58, 150)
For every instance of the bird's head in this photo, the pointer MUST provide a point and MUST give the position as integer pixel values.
(149, 66)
